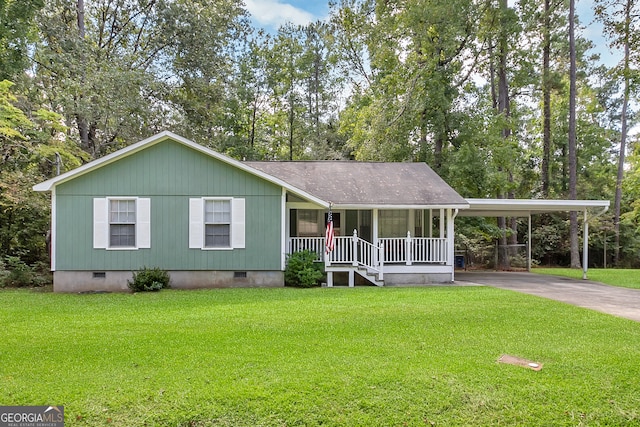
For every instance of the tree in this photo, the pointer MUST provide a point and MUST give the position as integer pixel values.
(31, 144)
(573, 166)
(203, 41)
(17, 30)
(620, 19)
(419, 55)
(117, 69)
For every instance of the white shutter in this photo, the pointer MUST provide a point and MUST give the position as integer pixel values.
(196, 224)
(237, 224)
(143, 220)
(100, 223)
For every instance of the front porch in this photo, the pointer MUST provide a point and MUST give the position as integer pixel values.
(375, 249)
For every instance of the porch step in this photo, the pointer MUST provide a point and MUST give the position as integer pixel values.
(371, 276)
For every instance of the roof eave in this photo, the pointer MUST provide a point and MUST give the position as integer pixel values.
(519, 207)
(398, 206)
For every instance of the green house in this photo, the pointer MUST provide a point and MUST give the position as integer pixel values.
(212, 221)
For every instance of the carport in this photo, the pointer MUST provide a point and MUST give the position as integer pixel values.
(524, 208)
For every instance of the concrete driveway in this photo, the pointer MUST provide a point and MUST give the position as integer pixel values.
(620, 302)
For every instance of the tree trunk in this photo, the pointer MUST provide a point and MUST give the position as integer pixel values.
(573, 164)
(623, 133)
(546, 98)
(82, 123)
(291, 120)
(504, 109)
(252, 132)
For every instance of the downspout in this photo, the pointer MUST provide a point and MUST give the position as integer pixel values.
(585, 240)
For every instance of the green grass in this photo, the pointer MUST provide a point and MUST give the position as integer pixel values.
(625, 278)
(331, 357)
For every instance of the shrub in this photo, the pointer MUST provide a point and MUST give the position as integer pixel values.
(4, 273)
(148, 280)
(16, 272)
(302, 270)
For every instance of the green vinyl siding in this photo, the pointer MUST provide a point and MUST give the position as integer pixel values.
(168, 173)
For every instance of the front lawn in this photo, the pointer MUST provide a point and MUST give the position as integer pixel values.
(331, 357)
(623, 277)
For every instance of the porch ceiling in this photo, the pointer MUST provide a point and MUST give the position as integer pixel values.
(525, 207)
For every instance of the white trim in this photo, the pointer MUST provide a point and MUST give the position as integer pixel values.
(54, 226)
(302, 205)
(162, 136)
(347, 206)
(416, 269)
(523, 207)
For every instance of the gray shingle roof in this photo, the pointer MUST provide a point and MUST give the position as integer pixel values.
(365, 183)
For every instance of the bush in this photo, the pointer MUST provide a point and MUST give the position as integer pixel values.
(16, 272)
(302, 270)
(149, 280)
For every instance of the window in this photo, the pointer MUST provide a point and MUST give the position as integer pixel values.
(216, 223)
(308, 223)
(121, 223)
(393, 223)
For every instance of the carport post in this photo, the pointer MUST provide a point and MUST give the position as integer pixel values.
(585, 246)
(529, 244)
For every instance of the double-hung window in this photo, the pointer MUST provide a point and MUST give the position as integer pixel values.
(217, 223)
(121, 223)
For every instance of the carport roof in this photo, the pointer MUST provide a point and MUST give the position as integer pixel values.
(526, 207)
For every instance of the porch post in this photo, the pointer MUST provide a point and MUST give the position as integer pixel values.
(585, 247)
(412, 221)
(529, 244)
(450, 243)
(381, 261)
(407, 248)
(354, 248)
(374, 231)
(442, 221)
(430, 223)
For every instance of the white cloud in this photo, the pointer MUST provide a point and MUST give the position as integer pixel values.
(273, 13)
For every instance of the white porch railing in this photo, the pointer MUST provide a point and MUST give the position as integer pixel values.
(409, 250)
(397, 250)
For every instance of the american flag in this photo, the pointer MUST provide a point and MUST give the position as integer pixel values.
(329, 234)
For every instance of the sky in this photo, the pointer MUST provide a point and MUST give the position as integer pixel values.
(270, 14)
